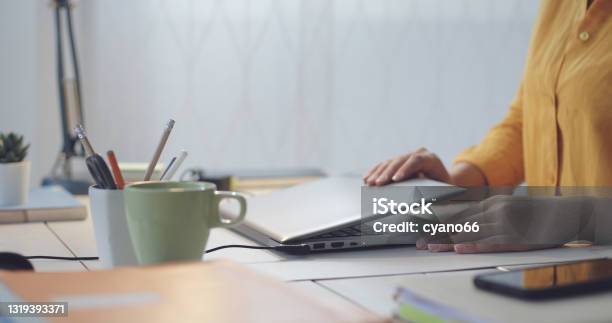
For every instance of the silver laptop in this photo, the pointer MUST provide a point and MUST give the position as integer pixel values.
(320, 215)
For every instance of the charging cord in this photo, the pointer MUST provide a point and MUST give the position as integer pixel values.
(301, 249)
(62, 258)
(238, 246)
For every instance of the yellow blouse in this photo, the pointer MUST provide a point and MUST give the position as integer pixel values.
(558, 131)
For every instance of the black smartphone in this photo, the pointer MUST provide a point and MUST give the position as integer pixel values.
(550, 281)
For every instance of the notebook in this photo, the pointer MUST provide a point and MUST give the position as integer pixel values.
(414, 308)
(213, 291)
(51, 203)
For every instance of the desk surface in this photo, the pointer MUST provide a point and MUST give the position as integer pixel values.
(455, 289)
(367, 278)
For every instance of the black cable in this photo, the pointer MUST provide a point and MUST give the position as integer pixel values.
(300, 249)
(62, 258)
(292, 249)
(238, 246)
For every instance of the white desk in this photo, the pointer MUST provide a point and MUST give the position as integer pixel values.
(78, 236)
(366, 277)
(407, 260)
(455, 289)
(79, 239)
(32, 239)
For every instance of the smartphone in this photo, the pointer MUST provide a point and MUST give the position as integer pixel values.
(551, 281)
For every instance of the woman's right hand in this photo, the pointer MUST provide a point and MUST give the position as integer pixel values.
(420, 161)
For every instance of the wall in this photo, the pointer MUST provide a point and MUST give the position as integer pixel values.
(28, 101)
(337, 84)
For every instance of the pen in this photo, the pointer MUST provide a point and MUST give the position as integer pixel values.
(95, 163)
(115, 168)
(161, 178)
(160, 148)
(84, 141)
(177, 163)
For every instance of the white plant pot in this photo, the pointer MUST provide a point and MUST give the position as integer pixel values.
(14, 182)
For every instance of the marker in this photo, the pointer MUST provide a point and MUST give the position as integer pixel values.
(84, 140)
(158, 151)
(95, 163)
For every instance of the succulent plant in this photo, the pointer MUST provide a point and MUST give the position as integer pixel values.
(12, 148)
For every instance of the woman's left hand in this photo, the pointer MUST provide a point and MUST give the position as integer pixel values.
(512, 223)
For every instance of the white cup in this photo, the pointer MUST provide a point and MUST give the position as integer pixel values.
(115, 247)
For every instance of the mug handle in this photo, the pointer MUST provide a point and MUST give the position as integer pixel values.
(224, 222)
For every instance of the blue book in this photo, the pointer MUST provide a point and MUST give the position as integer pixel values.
(51, 203)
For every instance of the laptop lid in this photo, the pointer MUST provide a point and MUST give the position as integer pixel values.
(311, 208)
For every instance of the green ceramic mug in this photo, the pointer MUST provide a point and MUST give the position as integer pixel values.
(170, 221)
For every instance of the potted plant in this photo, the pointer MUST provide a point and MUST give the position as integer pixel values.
(14, 170)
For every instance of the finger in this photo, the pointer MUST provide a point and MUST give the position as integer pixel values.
(434, 168)
(378, 178)
(484, 248)
(440, 247)
(473, 215)
(499, 243)
(397, 175)
(370, 172)
(496, 243)
(421, 244)
(388, 174)
(466, 248)
(376, 173)
(409, 168)
(423, 162)
(485, 231)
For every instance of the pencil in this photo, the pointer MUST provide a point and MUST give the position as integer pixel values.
(158, 151)
(115, 168)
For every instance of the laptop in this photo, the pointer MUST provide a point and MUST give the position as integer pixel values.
(321, 215)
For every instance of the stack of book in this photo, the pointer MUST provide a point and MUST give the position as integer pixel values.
(51, 203)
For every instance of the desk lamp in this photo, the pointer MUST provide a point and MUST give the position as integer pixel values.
(71, 111)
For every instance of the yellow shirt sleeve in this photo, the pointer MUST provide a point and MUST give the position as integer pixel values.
(500, 154)
(557, 132)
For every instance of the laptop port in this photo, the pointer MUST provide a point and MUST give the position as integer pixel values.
(354, 244)
(318, 246)
(337, 244)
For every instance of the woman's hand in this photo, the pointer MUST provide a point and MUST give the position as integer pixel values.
(420, 161)
(426, 163)
(513, 223)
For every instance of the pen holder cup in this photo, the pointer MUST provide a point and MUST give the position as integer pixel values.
(113, 241)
